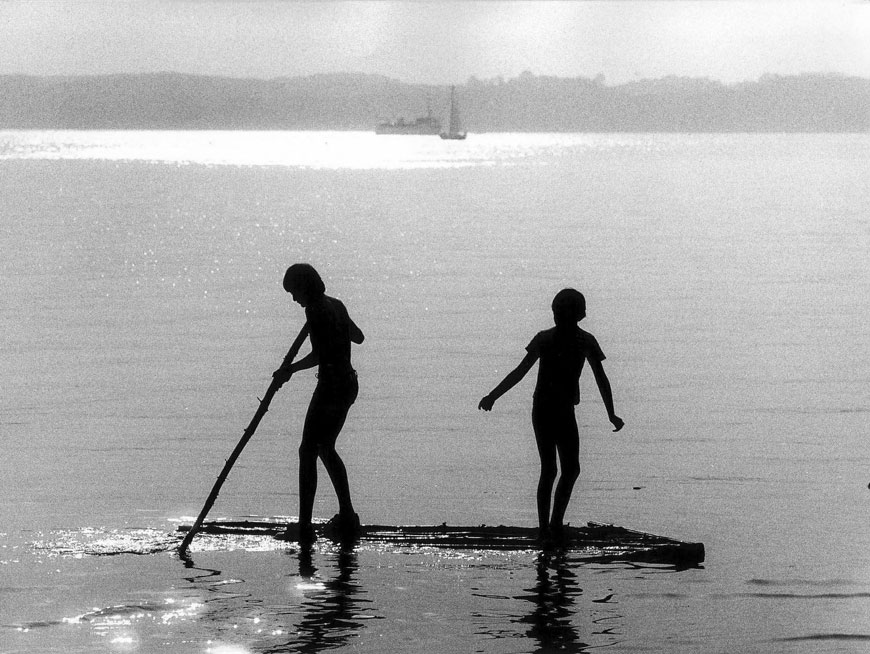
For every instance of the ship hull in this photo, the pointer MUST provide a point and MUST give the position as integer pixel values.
(406, 130)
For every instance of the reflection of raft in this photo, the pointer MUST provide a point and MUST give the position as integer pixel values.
(594, 542)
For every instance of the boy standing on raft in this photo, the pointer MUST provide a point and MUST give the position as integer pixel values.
(561, 350)
(331, 332)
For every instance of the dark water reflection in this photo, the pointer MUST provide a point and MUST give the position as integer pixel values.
(352, 597)
(550, 620)
(331, 612)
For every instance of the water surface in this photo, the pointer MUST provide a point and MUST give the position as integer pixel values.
(727, 283)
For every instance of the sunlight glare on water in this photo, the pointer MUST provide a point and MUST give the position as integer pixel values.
(316, 150)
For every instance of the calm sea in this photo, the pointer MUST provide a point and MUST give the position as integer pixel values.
(727, 281)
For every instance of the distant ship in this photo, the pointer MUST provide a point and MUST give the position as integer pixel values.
(454, 127)
(428, 125)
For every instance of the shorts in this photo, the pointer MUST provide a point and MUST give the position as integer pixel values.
(555, 424)
(330, 403)
(338, 389)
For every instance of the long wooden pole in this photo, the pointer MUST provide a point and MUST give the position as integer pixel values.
(252, 427)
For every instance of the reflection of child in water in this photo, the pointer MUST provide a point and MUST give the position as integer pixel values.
(331, 332)
(561, 350)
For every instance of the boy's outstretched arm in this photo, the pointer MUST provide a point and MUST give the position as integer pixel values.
(510, 380)
(606, 393)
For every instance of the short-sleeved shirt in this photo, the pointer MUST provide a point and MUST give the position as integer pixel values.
(329, 330)
(561, 355)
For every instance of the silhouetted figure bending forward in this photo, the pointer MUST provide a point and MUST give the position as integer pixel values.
(331, 332)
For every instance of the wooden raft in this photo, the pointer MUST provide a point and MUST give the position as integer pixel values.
(593, 542)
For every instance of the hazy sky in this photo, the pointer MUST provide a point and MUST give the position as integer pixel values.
(437, 42)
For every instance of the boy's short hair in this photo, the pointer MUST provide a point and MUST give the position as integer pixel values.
(303, 276)
(568, 303)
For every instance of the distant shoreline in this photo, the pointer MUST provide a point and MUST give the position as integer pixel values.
(482, 133)
(811, 103)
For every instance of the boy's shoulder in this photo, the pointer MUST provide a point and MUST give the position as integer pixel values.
(324, 309)
(586, 336)
(546, 340)
(590, 345)
(333, 301)
(582, 334)
(325, 303)
(544, 336)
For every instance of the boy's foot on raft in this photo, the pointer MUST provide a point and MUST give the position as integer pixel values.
(344, 525)
(552, 536)
(303, 534)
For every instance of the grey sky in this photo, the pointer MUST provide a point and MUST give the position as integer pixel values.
(437, 42)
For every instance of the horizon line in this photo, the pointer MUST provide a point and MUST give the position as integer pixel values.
(600, 78)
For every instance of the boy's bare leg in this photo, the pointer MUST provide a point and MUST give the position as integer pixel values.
(545, 490)
(569, 460)
(562, 498)
(319, 429)
(547, 453)
(338, 475)
(332, 425)
(307, 484)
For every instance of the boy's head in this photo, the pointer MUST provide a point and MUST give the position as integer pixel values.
(304, 283)
(569, 307)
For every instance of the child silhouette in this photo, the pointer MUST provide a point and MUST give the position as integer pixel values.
(331, 331)
(561, 351)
